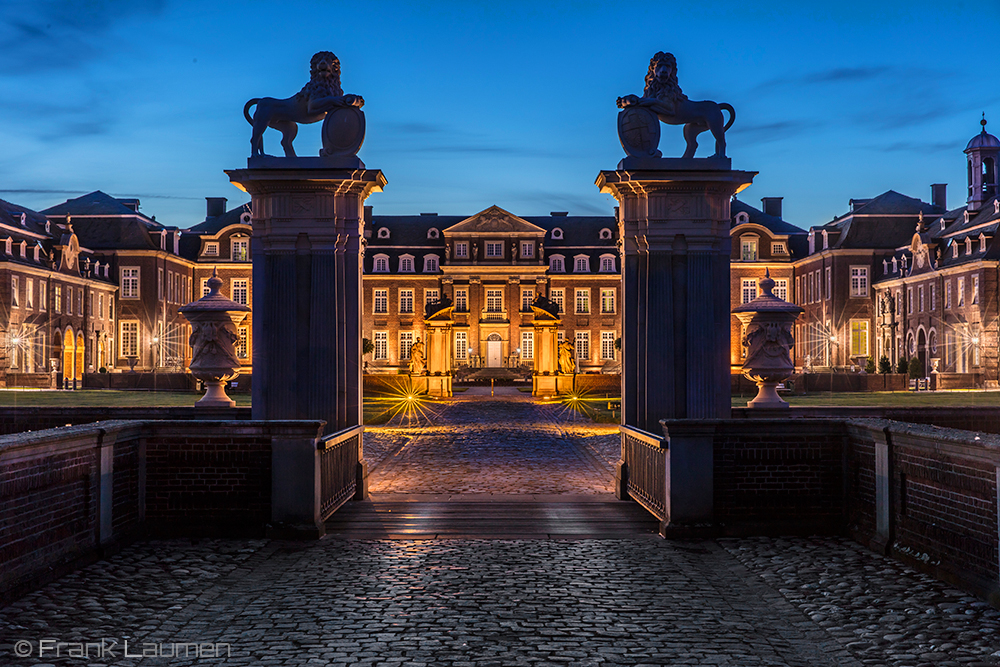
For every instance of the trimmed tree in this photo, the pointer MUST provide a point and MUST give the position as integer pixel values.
(870, 366)
(884, 365)
(916, 368)
(902, 366)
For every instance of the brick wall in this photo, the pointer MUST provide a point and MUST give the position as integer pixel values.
(985, 419)
(781, 473)
(20, 419)
(859, 491)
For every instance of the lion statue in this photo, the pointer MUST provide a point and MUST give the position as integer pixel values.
(309, 105)
(663, 96)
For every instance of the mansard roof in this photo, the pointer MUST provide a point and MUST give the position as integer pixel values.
(756, 216)
(494, 220)
(216, 223)
(97, 204)
(886, 221)
(10, 216)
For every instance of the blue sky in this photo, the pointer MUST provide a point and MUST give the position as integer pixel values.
(471, 104)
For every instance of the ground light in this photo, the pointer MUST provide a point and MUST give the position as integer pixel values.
(596, 408)
(400, 403)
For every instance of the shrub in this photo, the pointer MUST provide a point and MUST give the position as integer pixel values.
(884, 365)
(102, 369)
(916, 368)
(870, 366)
(902, 366)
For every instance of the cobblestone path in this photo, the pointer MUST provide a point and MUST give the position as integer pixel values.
(503, 445)
(478, 603)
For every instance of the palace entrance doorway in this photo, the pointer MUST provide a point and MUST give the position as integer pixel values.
(494, 351)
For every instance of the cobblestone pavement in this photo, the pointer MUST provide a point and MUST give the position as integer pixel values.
(478, 603)
(501, 445)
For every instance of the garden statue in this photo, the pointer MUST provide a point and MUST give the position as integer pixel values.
(767, 321)
(213, 339)
(662, 100)
(567, 364)
(321, 98)
(417, 361)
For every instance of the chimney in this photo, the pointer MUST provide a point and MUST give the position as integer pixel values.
(215, 206)
(559, 214)
(939, 195)
(368, 214)
(430, 214)
(771, 205)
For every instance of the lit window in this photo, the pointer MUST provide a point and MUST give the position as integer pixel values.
(243, 343)
(607, 301)
(57, 298)
(582, 346)
(241, 292)
(381, 301)
(859, 281)
(129, 338)
(494, 301)
(461, 345)
(527, 344)
(527, 297)
(583, 301)
(69, 300)
(778, 249)
(494, 249)
(15, 292)
(406, 300)
(859, 338)
(29, 293)
(920, 298)
(748, 290)
(608, 345)
(961, 291)
(461, 300)
(381, 345)
(781, 288)
(405, 343)
(431, 295)
(748, 248)
(43, 296)
(947, 294)
(130, 282)
(975, 289)
(241, 249)
(556, 297)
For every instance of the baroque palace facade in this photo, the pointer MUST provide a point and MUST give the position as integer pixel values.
(93, 283)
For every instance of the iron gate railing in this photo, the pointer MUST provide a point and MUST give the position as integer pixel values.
(339, 454)
(646, 458)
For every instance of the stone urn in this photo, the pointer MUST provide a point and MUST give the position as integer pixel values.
(213, 320)
(767, 323)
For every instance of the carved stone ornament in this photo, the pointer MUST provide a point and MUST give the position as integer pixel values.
(663, 98)
(321, 98)
(213, 339)
(767, 322)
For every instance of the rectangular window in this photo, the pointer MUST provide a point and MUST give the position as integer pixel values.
(920, 298)
(527, 298)
(461, 300)
(556, 297)
(961, 291)
(405, 343)
(778, 249)
(57, 298)
(859, 338)
(608, 345)
(43, 295)
(527, 249)
(130, 282)
(607, 302)
(29, 293)
(909, 301)
(933, 297)
(100, 306)
(380, 301)
(748, 291)
(69, 300)
(748, 249)
(829, 283)
(406, 301)
(241, 292)
(204, 287)
(583, 301)
(129, 338)
(243, 343)
(431, 295)
(527, 344)
(494, 301)
(461, 345)
(859, 281)
(582, 265)
(975, 289)
(781, 288)
(79, 301)
(381, 345)
(241, 249)
(111, 307)
(947, 294)
(494, 249)
(15, 292)
(582, 346)
(212, 248)
(461, 250)
(159, 284)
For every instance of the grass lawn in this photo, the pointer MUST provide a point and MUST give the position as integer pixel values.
(896, 399)
(105, 398)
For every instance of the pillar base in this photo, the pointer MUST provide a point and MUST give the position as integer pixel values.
(544, 385)
(439, 386)
(565, 384)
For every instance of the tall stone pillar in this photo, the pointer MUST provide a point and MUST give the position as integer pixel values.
(544, 376)
(307, 224)
(437, 329)
(674, 221)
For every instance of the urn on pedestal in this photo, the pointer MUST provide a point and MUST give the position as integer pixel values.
(767, 325)
(213, 321)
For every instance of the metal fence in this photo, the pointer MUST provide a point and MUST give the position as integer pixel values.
(339, 454)
(645, 457)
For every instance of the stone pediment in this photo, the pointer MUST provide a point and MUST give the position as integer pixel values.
(495, 220)
(923, 254)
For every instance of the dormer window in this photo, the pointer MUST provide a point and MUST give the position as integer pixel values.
(996, 207)
(24, 250)
(895, 265)
(965, 216)
(742, 218)
(406, 263)
(430, 263)
(380, 264)
(982, 243)
(954, 250)
(904, 261)
(163, 240)
(557, 263)
(605, 234)
(748, 247)
(557, 233)
(812, 242)
(968, 245)
(48, 227)
(778, 248)
(607, 263)
(211, 249)
(383, 232)
(942, 223)
(10, 246)
(581, 264)
(826, 239)
(240, 248)
(38, 250)
(433, 233)
(885, 266)
(245, 217)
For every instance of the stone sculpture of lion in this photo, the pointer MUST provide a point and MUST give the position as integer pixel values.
(664, 97)
(309, 105)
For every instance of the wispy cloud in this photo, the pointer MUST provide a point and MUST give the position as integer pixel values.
(916, 147)
(853, 76)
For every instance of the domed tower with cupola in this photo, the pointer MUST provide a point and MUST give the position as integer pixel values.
(983, 164)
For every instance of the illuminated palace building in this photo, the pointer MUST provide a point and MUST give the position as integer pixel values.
(93, 283)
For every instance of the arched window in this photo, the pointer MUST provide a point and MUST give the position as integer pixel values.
(748, 247)
(742, 218)
(989, 177)
(581, 264)
(406, 263)
(557, 263)
(430, 263)
(607, 263)
(380, 264)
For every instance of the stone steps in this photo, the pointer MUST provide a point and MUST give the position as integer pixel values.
(473, 516)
